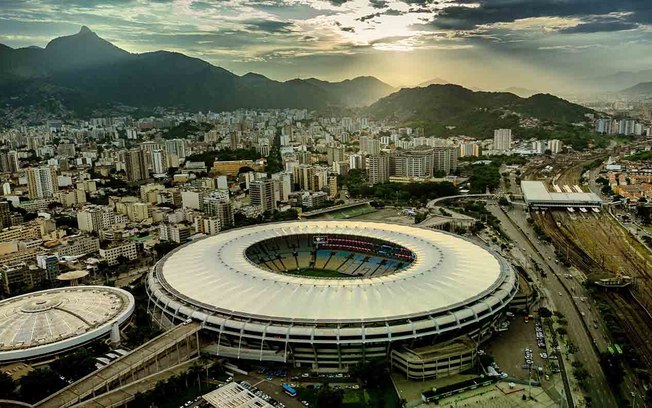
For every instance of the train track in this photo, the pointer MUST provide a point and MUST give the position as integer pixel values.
(635, 323)
(630, 312)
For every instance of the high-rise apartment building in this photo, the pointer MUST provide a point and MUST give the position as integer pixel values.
(135, 165)
(378, 169)
(41, 182)
(334, 154)
(470, 149)
(414, 163)
(503, 139)
(9, 161)
(220, 208)
(5, 215)
(445, 159)
(176, 147)
(369, 146)
(261, 193)
(159, 162)
(555, 145)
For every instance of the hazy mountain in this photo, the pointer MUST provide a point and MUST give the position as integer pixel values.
(434, 81)
(617, 81)
(643, 89)
(522, 92)
(84, 69)
(477, 113)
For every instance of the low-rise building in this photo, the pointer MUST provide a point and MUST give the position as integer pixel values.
(127, 249)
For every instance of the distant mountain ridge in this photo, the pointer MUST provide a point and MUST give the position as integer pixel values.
(475, 113)
(643, 89)
(83, 69)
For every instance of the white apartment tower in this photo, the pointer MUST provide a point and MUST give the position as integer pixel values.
(503, 139)
(41, 182)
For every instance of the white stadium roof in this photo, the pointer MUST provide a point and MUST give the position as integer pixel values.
(448, 271)
(50, 321)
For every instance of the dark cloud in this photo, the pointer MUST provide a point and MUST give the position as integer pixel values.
(393, 12)
(337, 2)
(419, 10)
(378, 3)
(459, 17)
(348, 29)
(269, 26)
(600, 26)
(369, 17)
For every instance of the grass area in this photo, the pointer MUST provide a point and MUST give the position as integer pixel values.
(318, 273)
(378, 398)
(353, 212)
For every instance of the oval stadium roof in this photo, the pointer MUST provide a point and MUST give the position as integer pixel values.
(448, 271)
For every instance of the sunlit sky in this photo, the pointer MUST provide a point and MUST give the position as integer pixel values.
(489, 44)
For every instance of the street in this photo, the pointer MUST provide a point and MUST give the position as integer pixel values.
(571, 302)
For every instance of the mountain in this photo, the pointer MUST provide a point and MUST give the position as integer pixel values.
(642, 89)
(84, 70)
(434, 81)
(477, 113)
(617, 81)
(522, 92)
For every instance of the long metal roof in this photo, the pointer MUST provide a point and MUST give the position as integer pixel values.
(536, 191)
(448, 271)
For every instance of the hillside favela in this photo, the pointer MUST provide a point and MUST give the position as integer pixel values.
(325, 203)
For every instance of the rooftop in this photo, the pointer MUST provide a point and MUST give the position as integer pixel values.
(51, 320)
(537, 191)
(448, 271)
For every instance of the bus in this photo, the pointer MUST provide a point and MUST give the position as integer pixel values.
(289, 390)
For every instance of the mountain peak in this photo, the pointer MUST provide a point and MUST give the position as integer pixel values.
(85, 30)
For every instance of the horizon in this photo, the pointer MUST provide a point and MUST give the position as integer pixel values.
(544, 46)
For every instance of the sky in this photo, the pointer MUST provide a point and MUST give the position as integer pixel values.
(489, 44)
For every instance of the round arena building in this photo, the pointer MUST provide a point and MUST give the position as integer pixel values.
(332, 293)
(52, 321)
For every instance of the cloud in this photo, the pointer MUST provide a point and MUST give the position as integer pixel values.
(379, 4)
(269, 26)
(467, 15)
(600, 27)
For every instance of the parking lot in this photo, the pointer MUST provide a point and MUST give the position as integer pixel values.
(518, 349)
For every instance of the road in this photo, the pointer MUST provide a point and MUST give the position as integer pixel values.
(568, 303)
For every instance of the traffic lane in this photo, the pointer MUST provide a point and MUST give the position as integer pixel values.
(597, 382)
(591, 314)
(586, 353)
(271, 388)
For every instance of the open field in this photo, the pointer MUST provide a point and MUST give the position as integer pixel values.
(352, 212)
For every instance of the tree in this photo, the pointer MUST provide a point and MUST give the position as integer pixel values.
(328, 397)
(544, 312)
(613, 369)
(38, 384)
(7, 386)
(373, 374)
(420, 217)
(503, 201)
(75, 365)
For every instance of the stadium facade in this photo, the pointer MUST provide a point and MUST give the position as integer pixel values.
(329, 294)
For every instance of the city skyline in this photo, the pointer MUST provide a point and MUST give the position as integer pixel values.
(490, 44)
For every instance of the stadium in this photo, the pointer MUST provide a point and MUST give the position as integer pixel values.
(48, 322)
(328, 294)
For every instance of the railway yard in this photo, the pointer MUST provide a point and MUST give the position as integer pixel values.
(599, 246)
